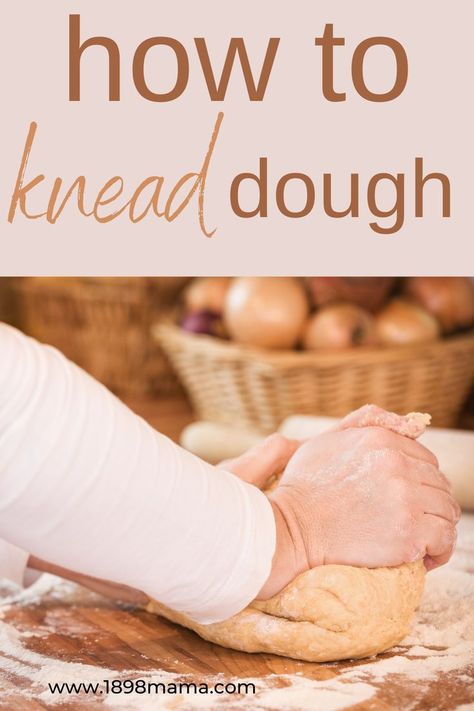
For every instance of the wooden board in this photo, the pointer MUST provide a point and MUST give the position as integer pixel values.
(100, 633)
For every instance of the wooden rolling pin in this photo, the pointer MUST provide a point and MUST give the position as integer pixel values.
(214, 442)
(454, 448)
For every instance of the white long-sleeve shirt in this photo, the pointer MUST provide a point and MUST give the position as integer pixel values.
(88, 485)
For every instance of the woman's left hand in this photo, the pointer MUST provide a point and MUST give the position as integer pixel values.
(265, 459)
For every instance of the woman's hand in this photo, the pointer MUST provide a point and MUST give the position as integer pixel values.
(365, 495)
(267, 458)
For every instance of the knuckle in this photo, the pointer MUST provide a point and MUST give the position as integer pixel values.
(413, 551)
(440, 526)
(446, 532)
(452, 507)
(454, 538)
(386, 439)
(457, 510)
(399, 465)
(424, 454)
(431, 457)
(452, 541)
(375, 436)
(446, 481)
(400, 488)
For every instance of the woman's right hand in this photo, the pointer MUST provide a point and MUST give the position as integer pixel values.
(364, 495)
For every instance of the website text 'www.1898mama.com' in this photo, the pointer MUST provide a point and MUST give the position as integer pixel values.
(146, 687)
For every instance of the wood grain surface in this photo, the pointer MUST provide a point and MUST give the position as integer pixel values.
(103, 634)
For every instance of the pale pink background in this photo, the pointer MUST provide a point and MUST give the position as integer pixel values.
(294, 127)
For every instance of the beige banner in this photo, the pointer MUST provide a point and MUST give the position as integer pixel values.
(137, 184)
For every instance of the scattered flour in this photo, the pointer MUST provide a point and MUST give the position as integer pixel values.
(441, 641)
(307, 694)
(50, 585)
(298, 692)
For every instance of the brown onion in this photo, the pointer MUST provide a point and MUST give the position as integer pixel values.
(368, 292)
(402, 322)
(207, 294)
(450, 299)
(339, 326)
(266, 311)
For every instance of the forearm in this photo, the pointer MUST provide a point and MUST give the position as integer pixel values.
(124, 593)
(88, 486)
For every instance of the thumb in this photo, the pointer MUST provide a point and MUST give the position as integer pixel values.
(412, 425)
(258, 464)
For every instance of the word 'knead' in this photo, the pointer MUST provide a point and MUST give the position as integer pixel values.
(148, 198)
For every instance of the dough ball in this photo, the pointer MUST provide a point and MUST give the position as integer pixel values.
(329, 613)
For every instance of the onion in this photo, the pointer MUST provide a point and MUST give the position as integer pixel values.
(368, 292)
(207, 294)
(266, 311)
(450, 299)
(402, 322)
(339, 326)
(205, 322)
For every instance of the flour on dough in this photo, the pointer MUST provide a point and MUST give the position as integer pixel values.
(328, 613)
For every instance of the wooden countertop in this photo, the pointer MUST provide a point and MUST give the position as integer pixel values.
(52, 626)
(87, 629)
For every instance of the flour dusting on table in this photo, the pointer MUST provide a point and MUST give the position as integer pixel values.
(441, 642)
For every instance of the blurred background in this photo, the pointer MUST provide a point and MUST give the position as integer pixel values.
(250, 351)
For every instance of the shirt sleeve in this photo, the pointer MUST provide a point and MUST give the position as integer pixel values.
(13, 563)
(88, 485)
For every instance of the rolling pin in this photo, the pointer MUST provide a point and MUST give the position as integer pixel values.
(454, 448)
(214, 442)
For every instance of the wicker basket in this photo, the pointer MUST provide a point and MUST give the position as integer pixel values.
(8, 302)
(253, 388)
(103, 324)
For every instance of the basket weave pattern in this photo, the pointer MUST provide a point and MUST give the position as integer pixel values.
(103, 325)
(257, 389)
